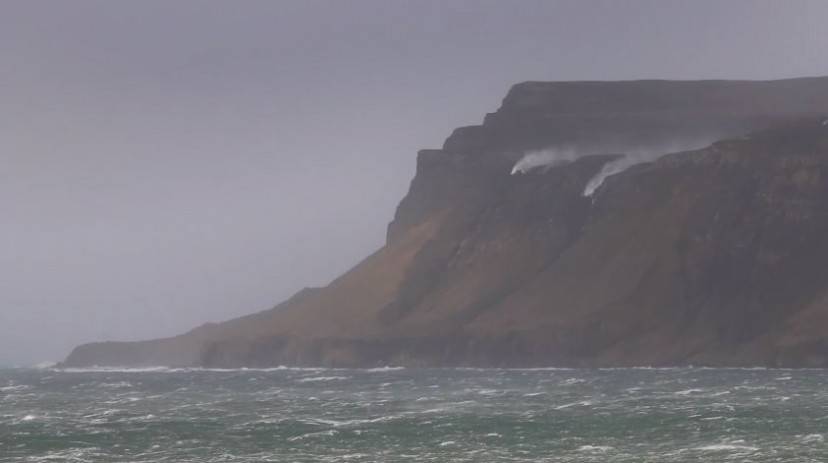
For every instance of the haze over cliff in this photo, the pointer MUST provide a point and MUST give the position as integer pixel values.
(581, 224)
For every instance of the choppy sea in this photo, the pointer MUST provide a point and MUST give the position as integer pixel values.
(413, 415)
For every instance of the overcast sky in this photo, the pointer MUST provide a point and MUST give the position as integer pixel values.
(168, 163)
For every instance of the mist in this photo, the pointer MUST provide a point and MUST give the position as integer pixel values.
(166, 164)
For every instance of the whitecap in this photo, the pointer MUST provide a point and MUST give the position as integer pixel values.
(355, 422)
(689, 391)
(594, 448)
(350, 456)
(119, 370)
(323, 378)
(383, 369)
(813, 439)
(15, 388)
(584, 403)
(166, 369)
(726, 448)
(436, 410)
(331, 432)
(571, 381)
(118, 385)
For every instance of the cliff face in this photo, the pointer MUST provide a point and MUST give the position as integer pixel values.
(707, 256)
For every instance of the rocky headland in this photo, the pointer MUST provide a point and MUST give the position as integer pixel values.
(638, 223)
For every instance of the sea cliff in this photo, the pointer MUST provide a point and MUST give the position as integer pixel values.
(658, 223)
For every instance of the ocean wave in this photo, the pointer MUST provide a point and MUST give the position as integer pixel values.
(355, 422)
(384, 369)
(813, 439)
(583, 403)
(323, 378)
(329, 433)
(120, 370)
(163, 369)
(492, 417)
(726, 448)
(15, 388)
(594, 448)
(167, 369)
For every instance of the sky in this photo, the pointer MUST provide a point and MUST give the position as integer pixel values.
(168, 163)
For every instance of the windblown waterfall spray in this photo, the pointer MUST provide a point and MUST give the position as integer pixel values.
(639, 156)
(549, 157)
(610, 168)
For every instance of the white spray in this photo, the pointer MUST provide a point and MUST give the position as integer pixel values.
(549, 157)
(552, 157)
(611, 168)
(641, 155)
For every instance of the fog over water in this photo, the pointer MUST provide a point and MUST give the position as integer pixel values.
(165, 164)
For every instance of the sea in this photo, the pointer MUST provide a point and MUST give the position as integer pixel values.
(413, 415)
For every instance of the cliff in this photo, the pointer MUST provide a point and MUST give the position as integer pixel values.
(705, 249)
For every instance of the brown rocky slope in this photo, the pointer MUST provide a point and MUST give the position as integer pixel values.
(710, 256)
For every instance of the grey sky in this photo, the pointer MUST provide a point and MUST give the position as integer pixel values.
(168, 163)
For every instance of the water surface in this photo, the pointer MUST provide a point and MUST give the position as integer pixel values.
(413, 415)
